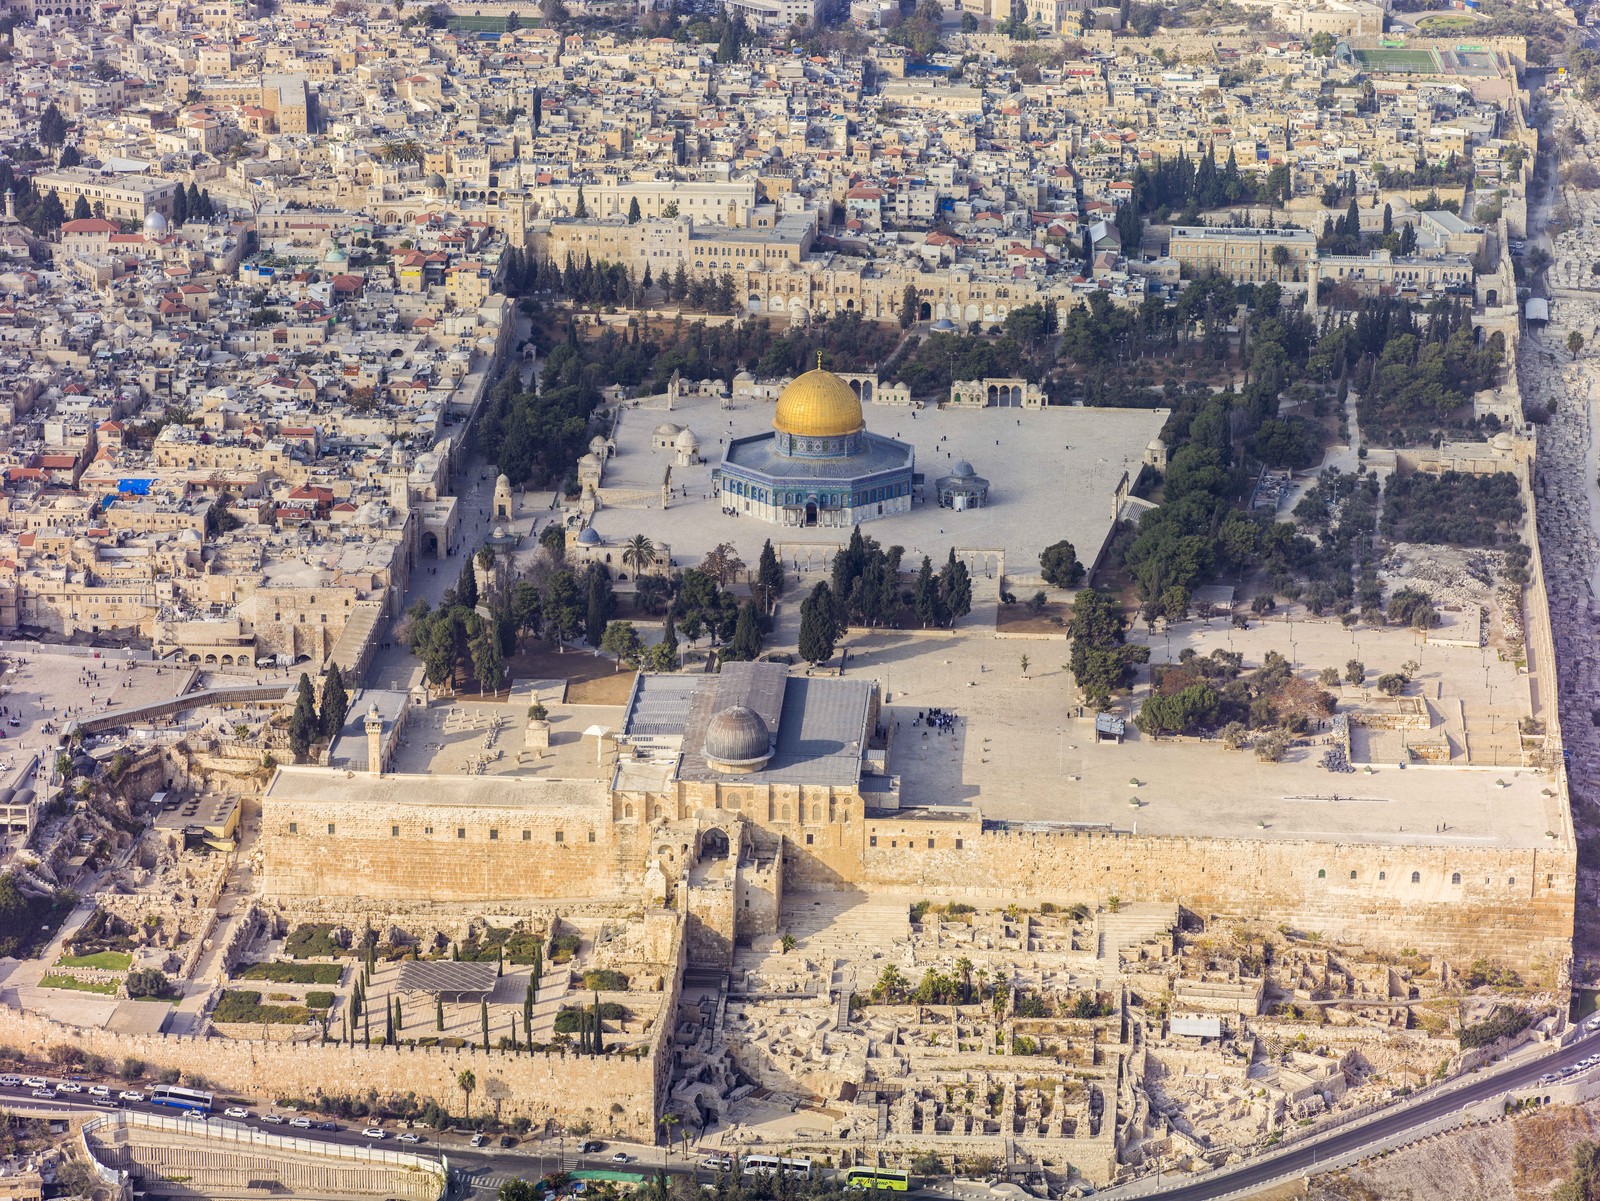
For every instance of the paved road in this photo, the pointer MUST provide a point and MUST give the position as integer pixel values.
(487, 1167)
(1360, 1138)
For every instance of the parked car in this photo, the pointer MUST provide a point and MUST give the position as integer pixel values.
(99, 1090)
(235, 1111)
(272, 1119)
(621, 1157)
(300, 1123)
(129, 1094)
(44, 1092)
(324, 1125)
(591, 1146)
(68, 1086)
(372, 1132)
(9, 1081)
(34, 1082)
(508, 1140)
(478, 1140)
(408, 1137)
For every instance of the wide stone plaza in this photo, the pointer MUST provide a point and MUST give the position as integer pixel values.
(1053, 473)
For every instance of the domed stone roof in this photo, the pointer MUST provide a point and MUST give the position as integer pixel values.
(962, 469)
(686, 440)
(156, 223)
(435, 181)
(818, 404)
(666, 429)
(588, 537)
(737, 737)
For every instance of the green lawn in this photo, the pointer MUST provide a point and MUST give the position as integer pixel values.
(244, 1005)
(1441, 23)
(111, 961)
(293, 973)
(60, 980)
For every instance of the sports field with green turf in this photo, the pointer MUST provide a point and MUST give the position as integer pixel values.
(1404, 61)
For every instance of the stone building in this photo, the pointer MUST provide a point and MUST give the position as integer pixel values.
(820, 465)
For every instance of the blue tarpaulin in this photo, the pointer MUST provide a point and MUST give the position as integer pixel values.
(134, 487)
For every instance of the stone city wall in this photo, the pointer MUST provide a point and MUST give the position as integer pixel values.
(1510, 904)
(615, 1092)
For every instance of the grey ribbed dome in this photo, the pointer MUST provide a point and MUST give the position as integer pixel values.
(738, 737)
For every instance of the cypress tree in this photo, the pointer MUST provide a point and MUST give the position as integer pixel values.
(746, 642)
(399, 1021)
(483, 1014)
(335, 703)
(438, 1013)
(599, 1034)
(499, 962)
(769, 576)
(669, 643)
(388, 1025)
(818, 634)
(366, 1027)
(303, 721)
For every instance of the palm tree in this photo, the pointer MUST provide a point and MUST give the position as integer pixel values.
(466, 1082)
(638, 553)
(668, 1121)
(964, 966)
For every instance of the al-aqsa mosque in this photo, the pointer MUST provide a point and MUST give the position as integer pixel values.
(819, 466)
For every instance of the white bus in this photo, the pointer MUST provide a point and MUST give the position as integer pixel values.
(773, 1164)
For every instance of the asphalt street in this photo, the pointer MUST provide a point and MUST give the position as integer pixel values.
(1316, 1153)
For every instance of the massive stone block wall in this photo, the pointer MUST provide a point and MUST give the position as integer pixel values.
(444, 853)
(1510, 904)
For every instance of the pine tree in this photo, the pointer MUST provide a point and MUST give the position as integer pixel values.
(81, 210)
(467, 587)
(582, 209)
(634, 215)
(192, 202)
(180, 207)
(818, 631)
(207, 209)
(910, 306)
(335, 703)
(303, 721)
(602, 603)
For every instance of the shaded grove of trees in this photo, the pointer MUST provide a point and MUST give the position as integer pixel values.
(28, 920)
(1102, 660)
(1452, 508)
(1413, 377)
(1204, 693)
(1186, 187)
(536, 437)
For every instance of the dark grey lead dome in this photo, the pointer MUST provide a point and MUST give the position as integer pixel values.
(738, 737)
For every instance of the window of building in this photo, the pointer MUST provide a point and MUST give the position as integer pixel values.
(872, 841)
(1322, 873)
(958, 844)
(394, 831)
(427, 829)
(810, 838)
(461, 831)
(294, 827)
(1352, 875)
(1455, 877)
(930, 844)
(494, 835)
(1416, 877)
(1383, 875)
(561, 836)
(330, 828)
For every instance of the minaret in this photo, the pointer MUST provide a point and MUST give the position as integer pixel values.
(11, 206)
(374, 726)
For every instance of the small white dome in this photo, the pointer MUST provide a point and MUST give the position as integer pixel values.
(156, 223)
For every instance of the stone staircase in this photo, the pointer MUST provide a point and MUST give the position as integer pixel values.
(1131, 925)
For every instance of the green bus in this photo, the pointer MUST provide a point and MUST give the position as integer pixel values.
(878, 1178)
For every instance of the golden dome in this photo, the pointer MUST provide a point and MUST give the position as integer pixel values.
(819, 405)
